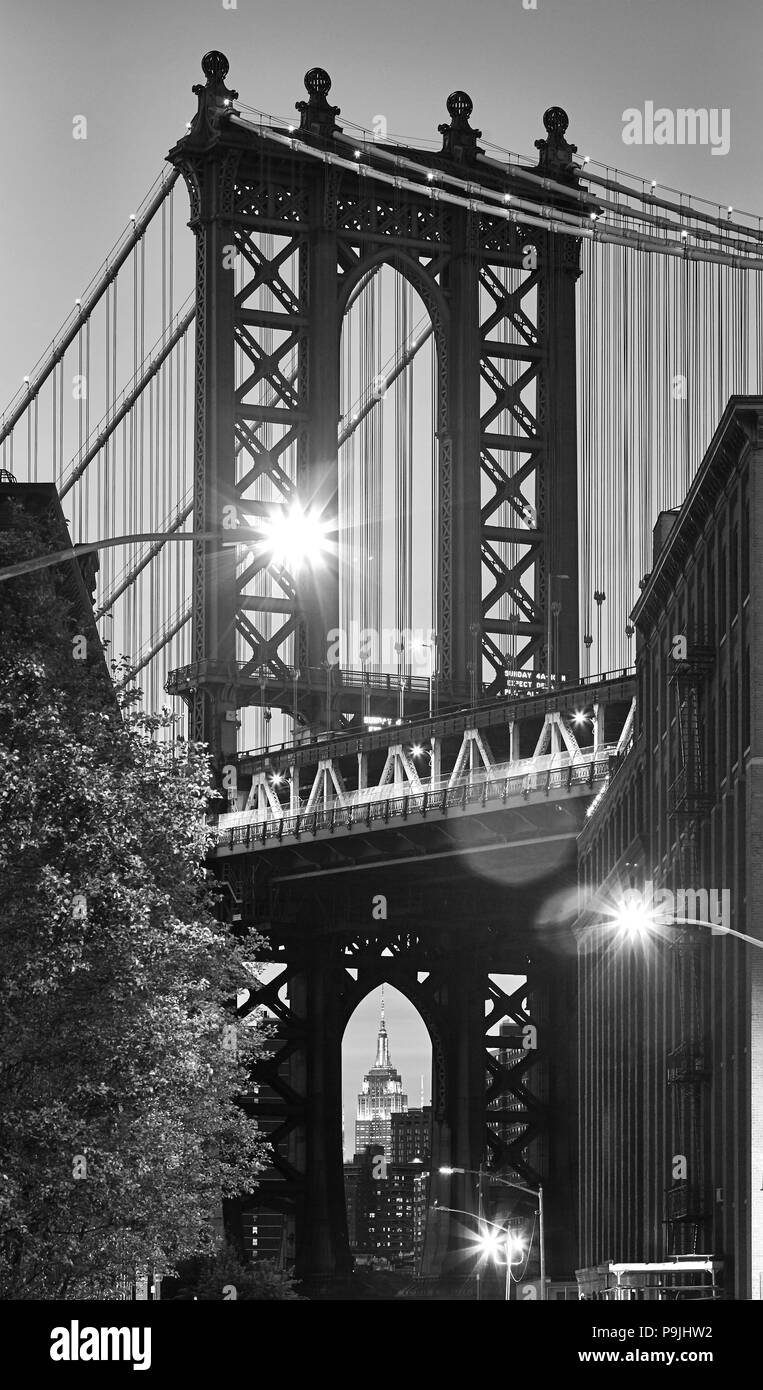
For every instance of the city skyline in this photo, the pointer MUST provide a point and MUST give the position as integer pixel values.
(408, 1040)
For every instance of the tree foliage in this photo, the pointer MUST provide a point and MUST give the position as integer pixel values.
(224, 1275)
(119, 1063)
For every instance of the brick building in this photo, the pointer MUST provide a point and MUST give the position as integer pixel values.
(671, 1019)
(411, 1135)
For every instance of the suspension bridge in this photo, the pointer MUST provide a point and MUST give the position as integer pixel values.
(440, 390)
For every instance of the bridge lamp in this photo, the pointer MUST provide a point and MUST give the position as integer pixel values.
(417, 750)
(580, 717)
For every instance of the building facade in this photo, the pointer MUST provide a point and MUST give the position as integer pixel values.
(411, 1136)
(671, 1016)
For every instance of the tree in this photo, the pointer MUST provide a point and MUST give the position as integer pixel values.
(120, 1058)
(225, 1276)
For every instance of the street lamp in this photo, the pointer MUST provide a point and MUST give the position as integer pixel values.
(637, 922)
(598, 598)
(553, 612)
(296, 673)
(327, 666)
(263, 680)
(292, 536)
(487, 1242)
(400, 649)
(473, 666)
(431, 647)
(529, 1192)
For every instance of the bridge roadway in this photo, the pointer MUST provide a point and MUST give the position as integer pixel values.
(533, 779)
(533, 700)
(516, 757)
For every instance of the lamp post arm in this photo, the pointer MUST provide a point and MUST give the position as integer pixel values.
(716, 927)
(461, 1211)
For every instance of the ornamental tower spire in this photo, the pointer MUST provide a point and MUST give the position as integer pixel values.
(382, 1045)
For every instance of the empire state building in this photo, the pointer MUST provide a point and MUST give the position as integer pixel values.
(381, 1097)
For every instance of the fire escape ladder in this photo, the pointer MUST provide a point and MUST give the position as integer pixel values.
(690, 796)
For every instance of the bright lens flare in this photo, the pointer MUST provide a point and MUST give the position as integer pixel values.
(489, 1243)
(295, 538)
(633, 921)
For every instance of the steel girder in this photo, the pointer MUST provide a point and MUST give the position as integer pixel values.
(304, 234)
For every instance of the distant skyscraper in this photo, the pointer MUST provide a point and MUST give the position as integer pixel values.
(381, 1097)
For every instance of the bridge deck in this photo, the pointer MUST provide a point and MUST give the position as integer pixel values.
(531, 779)
(534, 703)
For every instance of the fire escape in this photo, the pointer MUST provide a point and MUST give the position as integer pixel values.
(690, 799)
(690, 796)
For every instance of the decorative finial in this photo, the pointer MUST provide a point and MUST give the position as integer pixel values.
(215, 99)
(316, 115)
(555, 153)
(215, 67)
(382, 1007)
(459, 139)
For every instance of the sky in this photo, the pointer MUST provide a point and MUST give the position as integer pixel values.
(129, 68)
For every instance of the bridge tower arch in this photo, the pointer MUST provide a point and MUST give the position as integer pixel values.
(285, 219)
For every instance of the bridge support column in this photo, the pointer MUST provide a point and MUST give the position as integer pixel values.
(459, 1097)
(559, 396)
(459, 598)
(318, 475)
(555, 1002)
(321, 1237)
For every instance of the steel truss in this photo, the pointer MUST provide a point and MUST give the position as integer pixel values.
(305, 235)
(311, 1001)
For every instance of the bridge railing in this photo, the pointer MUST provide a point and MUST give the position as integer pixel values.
(499, 784)
(413, 725)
